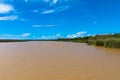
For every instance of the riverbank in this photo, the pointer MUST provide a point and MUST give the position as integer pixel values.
(108, 40)
(21, 40)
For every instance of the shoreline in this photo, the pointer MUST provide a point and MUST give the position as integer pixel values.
(106, 40)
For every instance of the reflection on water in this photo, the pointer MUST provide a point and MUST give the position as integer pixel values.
(58, 61)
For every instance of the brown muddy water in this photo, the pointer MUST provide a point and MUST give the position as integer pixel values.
(58, 61)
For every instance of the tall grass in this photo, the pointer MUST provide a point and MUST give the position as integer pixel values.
(111, 40)
(112, 43)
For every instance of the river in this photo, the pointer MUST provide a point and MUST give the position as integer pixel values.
(58, 61)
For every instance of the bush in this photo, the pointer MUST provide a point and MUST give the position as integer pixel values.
(99, 43)
(112, 43)
(109, 40)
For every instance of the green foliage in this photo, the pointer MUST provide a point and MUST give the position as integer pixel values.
(109, 40)
(112, 43)
(7, 40)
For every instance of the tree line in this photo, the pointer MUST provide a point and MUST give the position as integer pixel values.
(106, 40)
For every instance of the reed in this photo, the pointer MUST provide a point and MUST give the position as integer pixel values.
(109, 40)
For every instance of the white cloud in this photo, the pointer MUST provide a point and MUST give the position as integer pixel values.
(35, 11)
(54, 1)
(52, 6)
(46, 1)
(22, 19)
(12, 36)
(26, 1)
(48, 11)
(25, 35)
(13, 17)
(36, 25)
(5, 8)
(51, 37)
(62, 8)
(44, 25)
(95, 22)
(57, 9)
(79, 34)
(58, 35)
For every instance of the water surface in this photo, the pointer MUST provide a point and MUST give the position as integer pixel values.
(58, 61)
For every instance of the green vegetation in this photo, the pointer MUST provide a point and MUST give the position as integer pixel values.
(23, 40)
(108, 40)
(9, 40)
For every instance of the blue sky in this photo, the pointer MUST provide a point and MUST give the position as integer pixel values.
(50, 19)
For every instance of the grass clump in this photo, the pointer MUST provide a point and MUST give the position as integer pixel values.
(109, 40)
